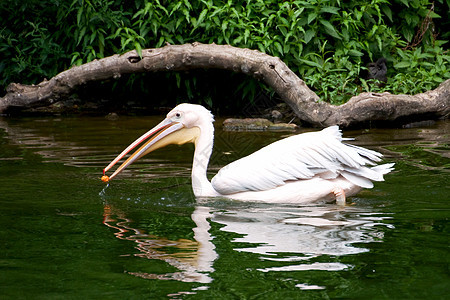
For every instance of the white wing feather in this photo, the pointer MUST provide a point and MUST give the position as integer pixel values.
(299, 157)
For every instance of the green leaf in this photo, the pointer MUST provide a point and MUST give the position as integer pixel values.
(345, 34)
(188, 5)
(286, 48)
(180, 39)
(279, 48)
(286, 38)
(437, 79)
(187, 84)
(312, 17)
(300, 49)
(354, 52)
(403, 64)
(311, 63)
(178, 79)
(82, 32)
(246, 35)
(126, 42)
(186, 15)
(427, 64)
(284, 21)
(387, 11)
(160, 42)
(330, 9)
(298, 12)
(75, 56)
(261, 48)
(365, 85)
(408, 33)
(372, 31)
(138, 13)
(201, 17)
(237, 40)
(80, 12)
(224, 25)
(309, 34)
(330, 29)
(380, 43)
(434, 15)
(194, 23)
(175, 8)
(93, 36)
(405, 2)
(138, 48)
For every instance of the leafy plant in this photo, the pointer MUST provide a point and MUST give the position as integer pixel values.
(326, 42)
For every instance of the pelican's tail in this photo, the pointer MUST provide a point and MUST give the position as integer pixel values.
(383, 169)
(364, 176)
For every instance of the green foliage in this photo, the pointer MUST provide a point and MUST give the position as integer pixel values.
(326, 42)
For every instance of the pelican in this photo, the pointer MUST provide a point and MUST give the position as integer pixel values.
(298, 169)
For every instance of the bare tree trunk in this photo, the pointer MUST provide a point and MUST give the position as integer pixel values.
(305, 103)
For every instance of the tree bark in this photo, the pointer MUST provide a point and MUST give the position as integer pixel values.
(304, 102)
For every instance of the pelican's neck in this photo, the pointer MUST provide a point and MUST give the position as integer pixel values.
(203, 149)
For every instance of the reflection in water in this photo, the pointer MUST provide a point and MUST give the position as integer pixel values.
(93, 142)
(75, 143)
(284, 238)
(302, 234)
(194, 259)
(296, 239)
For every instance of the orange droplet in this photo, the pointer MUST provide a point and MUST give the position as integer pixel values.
(105, 178)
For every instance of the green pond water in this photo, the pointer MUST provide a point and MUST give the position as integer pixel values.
(66, 235)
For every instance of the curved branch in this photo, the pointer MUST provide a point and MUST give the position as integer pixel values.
(381, 107)
(272, 70)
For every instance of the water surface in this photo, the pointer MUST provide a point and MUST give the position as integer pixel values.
(64, 234)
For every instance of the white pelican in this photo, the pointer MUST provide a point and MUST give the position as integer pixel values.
(298, 169)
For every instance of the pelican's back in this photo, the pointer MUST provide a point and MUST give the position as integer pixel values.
(301, 157)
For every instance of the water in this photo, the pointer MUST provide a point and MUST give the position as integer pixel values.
(64, 234)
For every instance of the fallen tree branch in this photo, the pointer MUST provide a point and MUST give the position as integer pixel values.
(305, 103)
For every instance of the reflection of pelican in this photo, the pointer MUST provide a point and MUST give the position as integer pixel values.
(300, 168)
(194, 259)
(288, 238)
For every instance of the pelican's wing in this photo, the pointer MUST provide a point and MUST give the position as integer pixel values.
(298, 157)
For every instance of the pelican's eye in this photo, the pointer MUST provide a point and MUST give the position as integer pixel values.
(178, 115)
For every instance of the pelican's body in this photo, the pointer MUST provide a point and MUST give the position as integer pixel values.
(298, 169)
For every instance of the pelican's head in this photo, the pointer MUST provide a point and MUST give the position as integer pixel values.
(183, 124)
(190, 115)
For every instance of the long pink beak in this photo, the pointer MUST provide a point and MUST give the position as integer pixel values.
(161, 130)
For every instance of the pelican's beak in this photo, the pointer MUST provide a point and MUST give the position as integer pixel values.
(165, 133)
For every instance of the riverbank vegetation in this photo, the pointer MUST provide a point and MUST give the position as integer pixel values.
(328, 43)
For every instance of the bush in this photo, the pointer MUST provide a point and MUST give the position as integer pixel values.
(326, 42)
